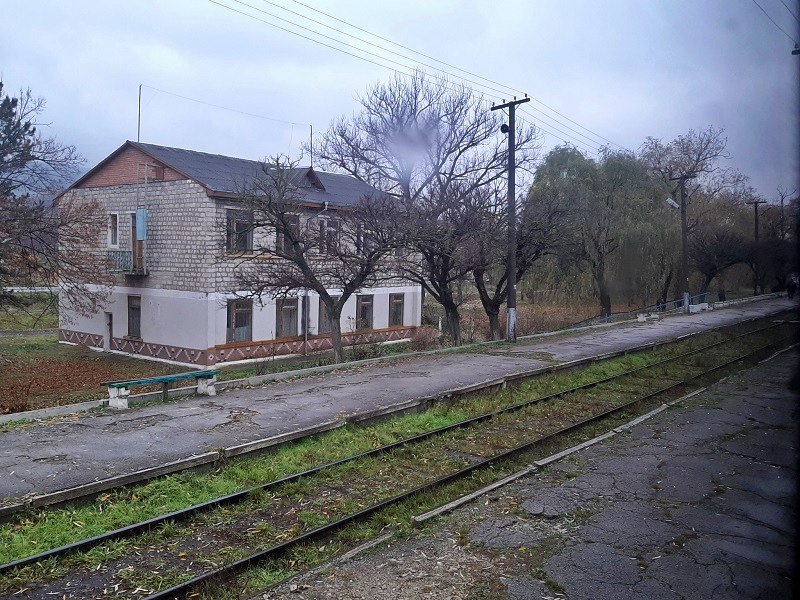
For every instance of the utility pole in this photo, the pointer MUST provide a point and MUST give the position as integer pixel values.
(755, 204)
(139, 115)
(684, 277)
(511, 266)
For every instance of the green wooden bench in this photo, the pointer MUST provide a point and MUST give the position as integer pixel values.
(118, 391)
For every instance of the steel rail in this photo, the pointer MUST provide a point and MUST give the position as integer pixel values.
(182, 590)
(240, 496)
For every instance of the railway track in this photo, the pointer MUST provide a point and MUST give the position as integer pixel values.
(341, 494)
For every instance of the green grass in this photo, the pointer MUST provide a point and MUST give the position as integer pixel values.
(32, 311)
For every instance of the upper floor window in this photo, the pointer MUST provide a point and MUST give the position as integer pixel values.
(113, 230)
(328, 236)
(284, 242)
(239, 231)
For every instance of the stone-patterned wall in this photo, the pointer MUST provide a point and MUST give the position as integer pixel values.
(180, 249)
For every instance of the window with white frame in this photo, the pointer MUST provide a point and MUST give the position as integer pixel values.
(113, 230)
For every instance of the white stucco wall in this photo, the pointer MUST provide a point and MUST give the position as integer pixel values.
(167, 317)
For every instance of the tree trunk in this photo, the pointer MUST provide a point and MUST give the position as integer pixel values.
(665, 287)
(605, 297)
(453, 322)
(336, 336)
(491, 305)
(494, 325)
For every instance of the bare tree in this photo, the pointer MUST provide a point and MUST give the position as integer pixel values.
(539, 233)
(42, 244)
(433, 145)
(293, 249)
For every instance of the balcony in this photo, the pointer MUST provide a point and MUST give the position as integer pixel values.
(127, 262)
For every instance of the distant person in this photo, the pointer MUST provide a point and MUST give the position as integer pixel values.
(791, 287)
(721, 295)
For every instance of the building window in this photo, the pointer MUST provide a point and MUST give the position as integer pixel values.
(240, 321)
(286, 318)
(328, 236)
(396, 309)
(364, 312)
(239, 231)
(324, 323)
(135, 316)
(284, 242)
(113, 230)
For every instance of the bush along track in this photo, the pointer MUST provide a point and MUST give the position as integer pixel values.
(252, 539)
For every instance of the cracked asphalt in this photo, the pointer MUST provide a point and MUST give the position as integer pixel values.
(61, 453)
(697, 502)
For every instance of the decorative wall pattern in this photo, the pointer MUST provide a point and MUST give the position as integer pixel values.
(80, 338)
(238, 351)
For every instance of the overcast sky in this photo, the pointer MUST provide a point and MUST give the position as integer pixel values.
(622, 69)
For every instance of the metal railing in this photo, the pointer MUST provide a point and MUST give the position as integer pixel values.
(123, 261)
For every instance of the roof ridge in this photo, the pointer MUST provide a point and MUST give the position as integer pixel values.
(212, 154)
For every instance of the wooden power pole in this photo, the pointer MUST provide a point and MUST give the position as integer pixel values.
(511, 261)
(755, 204)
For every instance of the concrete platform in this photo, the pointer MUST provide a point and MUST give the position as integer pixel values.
(697, 502)
(72, 451)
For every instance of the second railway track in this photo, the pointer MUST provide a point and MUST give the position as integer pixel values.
(212, 543)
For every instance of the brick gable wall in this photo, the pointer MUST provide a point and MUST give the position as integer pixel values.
(124, 169)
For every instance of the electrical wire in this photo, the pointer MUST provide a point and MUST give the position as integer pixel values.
(773, 21)
(592, 145)
(791, 12)
(452, 66)
(241, 112)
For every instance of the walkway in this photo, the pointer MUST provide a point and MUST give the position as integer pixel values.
(67, 452)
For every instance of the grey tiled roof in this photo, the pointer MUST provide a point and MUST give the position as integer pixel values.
(226, 174)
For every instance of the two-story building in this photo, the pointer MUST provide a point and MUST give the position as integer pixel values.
(168, 210)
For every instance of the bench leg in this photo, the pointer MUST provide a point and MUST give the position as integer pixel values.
(206, 387)
(118, 397)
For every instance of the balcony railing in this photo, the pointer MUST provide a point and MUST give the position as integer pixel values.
(125, 262)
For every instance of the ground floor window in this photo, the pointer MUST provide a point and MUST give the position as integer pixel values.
(135, 316)
(396, 302)
(324, 323)
(286, 318)
(240, 321)
(364, 311)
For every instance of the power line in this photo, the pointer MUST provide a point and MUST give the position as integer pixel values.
(241, 112)
(452, 66)
(591, 145)
(773, 21)
(439, 61)
(791, 12)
